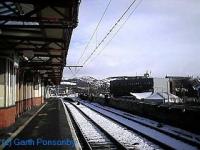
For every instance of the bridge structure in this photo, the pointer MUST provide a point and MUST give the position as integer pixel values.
(34, 41)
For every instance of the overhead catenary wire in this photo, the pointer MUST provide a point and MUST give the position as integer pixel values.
(104, 13)
(109, 32)
(115, 33)
(106, 36)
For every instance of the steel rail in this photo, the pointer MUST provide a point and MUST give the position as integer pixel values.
(152, 127)
(162, 144)
(111, 138)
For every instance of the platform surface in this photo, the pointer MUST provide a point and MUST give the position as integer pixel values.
(49, 129)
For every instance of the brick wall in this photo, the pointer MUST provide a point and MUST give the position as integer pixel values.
(7, 116)
(26, 104)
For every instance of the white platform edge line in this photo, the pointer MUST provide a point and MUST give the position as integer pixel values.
(74, 136)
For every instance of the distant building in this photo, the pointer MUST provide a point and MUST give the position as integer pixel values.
(184, 86)
(138, 84)
(161, 85)
(163, 97)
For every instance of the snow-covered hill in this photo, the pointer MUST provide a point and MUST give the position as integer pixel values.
(86, 81)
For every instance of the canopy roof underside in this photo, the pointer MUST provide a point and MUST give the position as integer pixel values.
(39, 31)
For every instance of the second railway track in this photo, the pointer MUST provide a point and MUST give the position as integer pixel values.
(139, 135)
(170, 131)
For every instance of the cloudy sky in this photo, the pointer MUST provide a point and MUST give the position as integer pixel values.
(161, 36)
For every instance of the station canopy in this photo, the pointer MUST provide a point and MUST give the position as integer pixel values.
(39, 32)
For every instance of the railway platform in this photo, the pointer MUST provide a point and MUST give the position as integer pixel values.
(47, 130)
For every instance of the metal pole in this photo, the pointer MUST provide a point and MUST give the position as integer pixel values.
(167, 92)
(88, 89)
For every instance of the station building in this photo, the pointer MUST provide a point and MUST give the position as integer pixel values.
(34, 41)
(19, 91)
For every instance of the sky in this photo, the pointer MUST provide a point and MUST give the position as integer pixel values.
(161, 37)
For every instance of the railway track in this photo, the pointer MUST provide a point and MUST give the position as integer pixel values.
(173, 132)
(93, 136)
(98, 132)
(151, 132)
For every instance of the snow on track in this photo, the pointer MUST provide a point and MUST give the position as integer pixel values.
(158, 136)
(166, 128)
(93, 135)
(126, 137)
